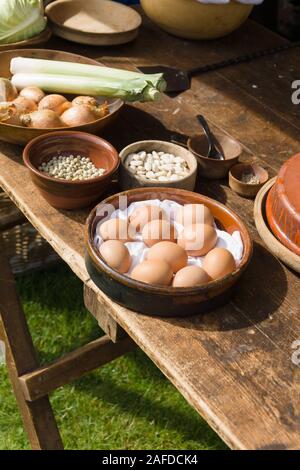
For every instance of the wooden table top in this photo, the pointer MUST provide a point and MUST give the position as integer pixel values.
(233, 365)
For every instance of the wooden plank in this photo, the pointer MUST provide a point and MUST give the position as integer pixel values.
(106, 322)
(71, 366)
(38, 417)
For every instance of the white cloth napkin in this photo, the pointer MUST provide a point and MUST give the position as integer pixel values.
(138, 249)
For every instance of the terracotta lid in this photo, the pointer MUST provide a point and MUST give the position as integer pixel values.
(283, 205)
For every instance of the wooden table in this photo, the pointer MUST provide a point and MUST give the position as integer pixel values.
(234, 366)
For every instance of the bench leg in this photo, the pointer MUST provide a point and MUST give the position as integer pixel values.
(38, 417)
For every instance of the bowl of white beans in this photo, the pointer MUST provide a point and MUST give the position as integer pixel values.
(157, 163)
(71, 170)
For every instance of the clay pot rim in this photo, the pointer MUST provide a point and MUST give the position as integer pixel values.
(84, 136)
(138, 285)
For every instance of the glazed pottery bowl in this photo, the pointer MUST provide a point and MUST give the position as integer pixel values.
(128, 180)
(245, 189)
(64, 194)
(194, 20)
(164, 301)
(209, 167)
(22, 135)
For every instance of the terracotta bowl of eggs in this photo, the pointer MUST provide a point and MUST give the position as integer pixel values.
(166, 252)
(29, 112)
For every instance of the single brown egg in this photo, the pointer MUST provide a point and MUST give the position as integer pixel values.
(170, 252)
(116, 255)
(115, 229)
(191, 276)
(155, 271)
(144, 214)
(190, 214)
(197, 239)
(157, 231)
(218, 263)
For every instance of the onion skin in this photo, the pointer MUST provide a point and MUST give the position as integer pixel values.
(42, 119)
(32, 93)
(8, 91)
(56, 103)
(24, 105)
(86, 100)
(78, 116)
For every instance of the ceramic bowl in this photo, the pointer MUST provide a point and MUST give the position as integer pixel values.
(164, 301)
(22, 135)
(194, 20)
(244, 189)
(64, 194)
(209, 167)
(128, 180)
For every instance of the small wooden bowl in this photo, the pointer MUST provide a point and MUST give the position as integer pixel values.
(164, 301)
(64, 194)
(94, 23)
(22, 135)
(128, 180)
(277, 248)
(37, 40)
(248, 190)
(209, 167)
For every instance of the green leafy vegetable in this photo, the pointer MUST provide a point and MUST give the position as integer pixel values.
(20, 20)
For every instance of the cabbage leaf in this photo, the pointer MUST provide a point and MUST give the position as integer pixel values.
(20, 20)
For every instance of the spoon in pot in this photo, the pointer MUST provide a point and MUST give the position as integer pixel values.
(214, 149)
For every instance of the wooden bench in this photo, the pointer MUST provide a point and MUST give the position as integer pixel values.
(234, 365)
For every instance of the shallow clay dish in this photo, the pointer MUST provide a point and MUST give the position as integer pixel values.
(283, 205)
(209, 167)
(64, 194)
(93, 22)
(248, 190)
(164, 301)
(37, 40)
(128, 180)
(279, 250)
(22, 135)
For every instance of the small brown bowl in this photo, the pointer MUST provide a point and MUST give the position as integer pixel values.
(164, 301)
(243, 188)
(209, 167)
(63, 194)
(128, 180)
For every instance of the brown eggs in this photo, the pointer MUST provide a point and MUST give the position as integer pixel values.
(144, 214)
(116, 229)
(197, 239)
(218, 263)
(191, 276)
(116, 255)
(155, 272)
(157, 231)
(190, 214)
(170, 252)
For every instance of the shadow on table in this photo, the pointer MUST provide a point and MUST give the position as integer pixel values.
(258, 296)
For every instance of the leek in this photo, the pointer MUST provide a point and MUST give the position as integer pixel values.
(70, 77)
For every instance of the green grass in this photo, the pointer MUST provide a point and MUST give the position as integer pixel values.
(127, 404)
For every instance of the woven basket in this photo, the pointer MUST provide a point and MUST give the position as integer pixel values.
(20, 242)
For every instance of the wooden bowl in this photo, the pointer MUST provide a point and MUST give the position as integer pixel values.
(279, 250)
(38, 40)
(248, 190)
(64, 194)
(22, 135)
(209, 167)
(128, 180)
(94, 22)
(164, 301)
(283, 205)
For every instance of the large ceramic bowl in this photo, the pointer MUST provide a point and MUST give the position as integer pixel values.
(22, 135)
(164, 301)
(193, 20)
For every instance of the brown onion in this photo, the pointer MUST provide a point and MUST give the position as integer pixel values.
(78, 115)
(8, 91)
(24, 105)
(43, 119)
(32, 93)
(88, 100)
(53, 102)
